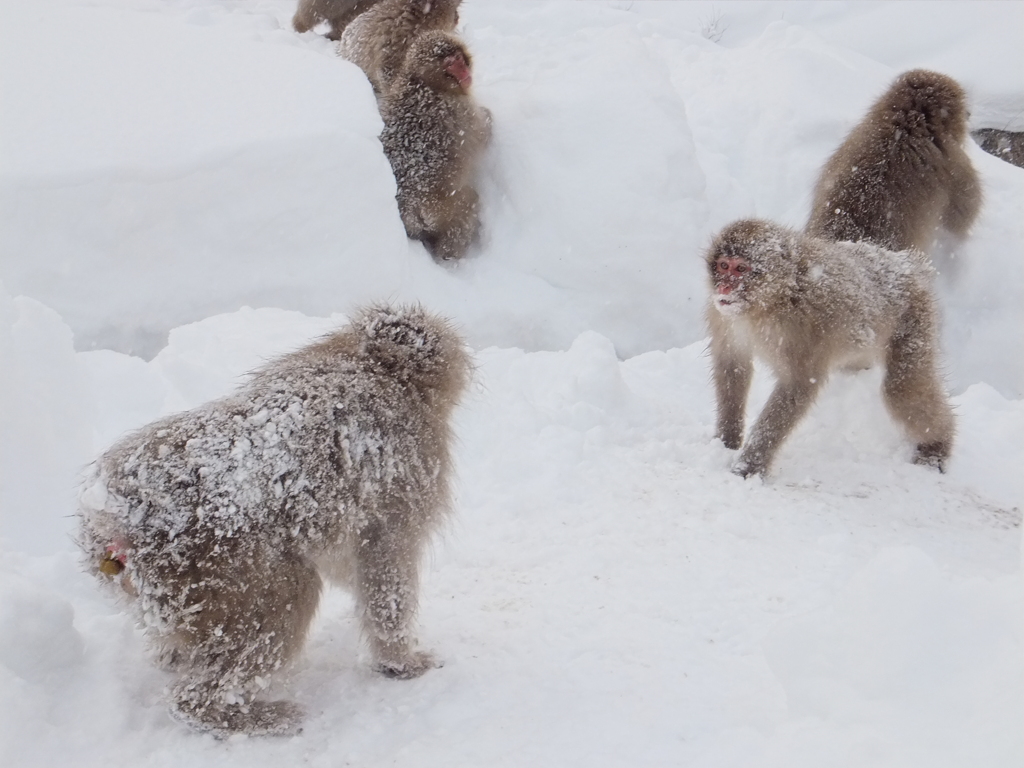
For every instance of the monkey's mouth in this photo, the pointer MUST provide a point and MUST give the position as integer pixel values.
(729, 304)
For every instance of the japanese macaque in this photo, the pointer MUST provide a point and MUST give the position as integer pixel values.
(337, 13)
(1006, 145)
(434, 135)
(902, 172)
(378, 40)
(806, 306)
(220, 522)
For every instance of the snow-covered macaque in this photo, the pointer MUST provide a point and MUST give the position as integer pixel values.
(902, 173)
(337, 13)
(377, 41)
(219, 523)
(1006, 145)
(434, 135)
(806, 306)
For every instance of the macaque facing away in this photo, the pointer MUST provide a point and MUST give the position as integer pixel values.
(434, 135)
(806, 306)
(219, 523)
(378, 40)
(338, 13)
(902, 172)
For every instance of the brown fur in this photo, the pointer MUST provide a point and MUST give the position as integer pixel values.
(808, 306)
(434, 135)
(377, 41)
(902, 172)
(338, 13)
(332, 462)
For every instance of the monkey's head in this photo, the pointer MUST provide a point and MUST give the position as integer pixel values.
(747, 262)
(441, 61)
(414, 347)
(929, 102)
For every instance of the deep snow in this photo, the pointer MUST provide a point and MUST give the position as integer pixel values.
(608, 594)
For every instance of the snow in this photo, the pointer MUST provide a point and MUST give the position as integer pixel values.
(192, 182)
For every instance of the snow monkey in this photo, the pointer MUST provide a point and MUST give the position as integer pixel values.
(806, 306)
(220, 522)
(338, 13)
(434, 134)
(902, 172)
(377, 41)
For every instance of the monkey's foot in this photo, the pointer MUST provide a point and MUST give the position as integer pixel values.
(932, 454)
(414, 665)
(732, 439)
(258, 718)
(746, 468)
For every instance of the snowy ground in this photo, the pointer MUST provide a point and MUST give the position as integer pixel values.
(608, 593)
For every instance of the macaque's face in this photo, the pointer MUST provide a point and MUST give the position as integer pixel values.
(457, 68)
(730, 275)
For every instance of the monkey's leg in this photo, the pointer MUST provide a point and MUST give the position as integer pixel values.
(915, 396)
(387, 587)
(307, 15)
(787, 404)
(733, 369)
(732, 383)
(248, 618)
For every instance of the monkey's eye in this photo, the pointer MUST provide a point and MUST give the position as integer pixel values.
(723, 266)
(741, 268)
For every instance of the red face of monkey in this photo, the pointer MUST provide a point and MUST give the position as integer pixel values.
(729, 273)
(457, 67)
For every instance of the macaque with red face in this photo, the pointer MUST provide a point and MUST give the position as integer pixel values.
(434, 135)
(806, 306)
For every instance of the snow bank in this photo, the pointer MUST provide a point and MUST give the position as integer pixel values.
(45, 423)
(209, 159)
(197, 184)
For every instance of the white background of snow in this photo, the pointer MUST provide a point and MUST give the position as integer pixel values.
(608, 593)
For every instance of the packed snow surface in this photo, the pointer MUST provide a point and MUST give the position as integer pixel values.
(189, 188)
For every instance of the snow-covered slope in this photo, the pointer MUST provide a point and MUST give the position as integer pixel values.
(608, 593)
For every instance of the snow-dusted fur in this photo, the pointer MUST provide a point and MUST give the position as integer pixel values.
(902, 172)
(378, 39)
(332, 461)
(808, 306)
(434, 134)
(338, 13)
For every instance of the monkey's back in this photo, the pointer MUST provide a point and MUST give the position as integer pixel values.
(306, 454)
(893, 179)
(424, 143)
(843, 301)
(881, 187)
